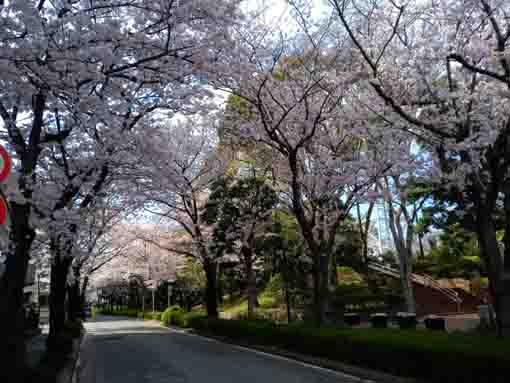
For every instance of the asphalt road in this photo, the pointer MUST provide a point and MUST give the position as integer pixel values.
(132, 351)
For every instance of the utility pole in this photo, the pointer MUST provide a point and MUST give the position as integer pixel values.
(143, 300)
(153, 293)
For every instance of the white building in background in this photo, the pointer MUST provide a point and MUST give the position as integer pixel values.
(380, 238)
(383, 234)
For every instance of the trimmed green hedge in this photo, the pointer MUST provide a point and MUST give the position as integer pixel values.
(132, 313)
(434, 357)
(173, 315)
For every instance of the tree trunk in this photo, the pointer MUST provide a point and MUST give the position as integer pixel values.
(321, 289)
(83, 291)
(211, 292)
(406, 280)
(251, 283)
(499, 279)
(220, 286)
(323, 303)
(287, 299)
(12, 345)
(420, 241)
(58, 280)
(75, 307)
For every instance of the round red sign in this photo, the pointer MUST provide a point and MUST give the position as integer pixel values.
(3, 210)
(5, 164)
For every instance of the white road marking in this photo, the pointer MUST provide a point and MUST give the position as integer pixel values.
(342, 375)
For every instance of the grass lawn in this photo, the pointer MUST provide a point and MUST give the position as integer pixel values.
(240, 305)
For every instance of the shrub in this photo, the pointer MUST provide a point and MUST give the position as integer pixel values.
(275, 287)
(358, 299)
(431, 356)
(195, 320)
(174, 315)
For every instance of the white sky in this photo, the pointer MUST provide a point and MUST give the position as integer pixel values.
(277, 12)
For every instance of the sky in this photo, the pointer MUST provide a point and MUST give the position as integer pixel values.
(278, 12)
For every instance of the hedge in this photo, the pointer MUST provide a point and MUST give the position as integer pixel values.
(132, 313)
(433, 357)
(173, 315)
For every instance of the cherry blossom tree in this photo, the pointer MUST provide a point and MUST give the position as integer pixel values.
(440, 71)
(179, 163)
(301, 113)
(60, 61)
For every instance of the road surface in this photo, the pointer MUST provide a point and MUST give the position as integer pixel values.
(132, 351)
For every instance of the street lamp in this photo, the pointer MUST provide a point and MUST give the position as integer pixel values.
(153, 294)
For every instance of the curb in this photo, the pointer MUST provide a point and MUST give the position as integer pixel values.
(77, 363)
(68, 373)
(357, 374)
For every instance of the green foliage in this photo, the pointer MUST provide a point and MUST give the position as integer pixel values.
(239, 307)
(234, 204)
(191, 276)
(284, 252)
(127, 312)
(174, 315)
(122, 311)
(358, 298)
(434, 357)
(456, 255)
(347, 276)
(275, 287)
(349, 248)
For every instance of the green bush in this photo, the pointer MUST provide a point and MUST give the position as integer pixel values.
(194, 316)
(275, 287)
(132, 313)
(174, 315)
(431, 356)
(359, 299)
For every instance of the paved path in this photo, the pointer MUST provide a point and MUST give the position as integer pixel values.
(132, 351)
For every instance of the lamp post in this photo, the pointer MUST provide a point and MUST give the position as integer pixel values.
(153, 300)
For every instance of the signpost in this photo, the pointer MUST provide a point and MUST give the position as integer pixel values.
(5, 170)
(3, 210)
(5, 164)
